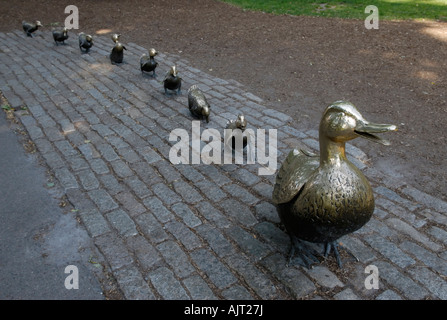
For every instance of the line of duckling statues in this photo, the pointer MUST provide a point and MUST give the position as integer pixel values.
(319, 198)
(197, 103)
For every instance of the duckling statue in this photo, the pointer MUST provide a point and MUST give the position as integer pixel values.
(117, 54)
(60, 35)
(198, 106)
(172, 81)
(116, 37)
(240, 123)
(30, 27)
(85, 42)
(322, 198)
(148, 63)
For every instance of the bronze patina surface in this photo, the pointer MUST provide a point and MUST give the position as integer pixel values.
(241, 124)
(197, 103)
(60, 35)
(172, 81)
(321, 198)
(116, 37)
(30, 27)
(117, 54)
(85, 42)
(148, 63)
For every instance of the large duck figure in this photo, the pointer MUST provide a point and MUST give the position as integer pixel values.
(322, 198)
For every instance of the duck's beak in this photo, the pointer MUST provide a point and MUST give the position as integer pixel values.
(367, 130)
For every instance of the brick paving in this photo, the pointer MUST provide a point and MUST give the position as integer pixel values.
(198, 231)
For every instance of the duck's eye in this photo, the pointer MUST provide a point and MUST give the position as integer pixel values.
(337, 122)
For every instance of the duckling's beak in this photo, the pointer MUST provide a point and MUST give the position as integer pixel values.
(367, 130)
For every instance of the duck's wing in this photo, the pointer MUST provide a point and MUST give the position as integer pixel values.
(293, 174)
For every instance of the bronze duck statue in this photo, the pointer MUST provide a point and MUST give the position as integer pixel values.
(148, 63)
(60, 35)
(30, 27)
(116, 37)
(322, 198)
(197, 103)
(85, 42)
(172, 81)
(117, 54)
(241, 124)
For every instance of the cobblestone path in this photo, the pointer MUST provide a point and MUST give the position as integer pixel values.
(198, 231)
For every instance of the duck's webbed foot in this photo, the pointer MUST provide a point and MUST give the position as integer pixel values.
(335, 246)
(306, 254)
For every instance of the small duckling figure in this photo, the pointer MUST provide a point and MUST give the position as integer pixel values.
(321, 198)
(116, 37)
(85, 42)
(60, 35)
(148, 63)
(241, 124)
(30, 27)
(117, 54)
(198, 106)
(172, 81)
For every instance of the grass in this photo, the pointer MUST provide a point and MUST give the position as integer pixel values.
(351, 9)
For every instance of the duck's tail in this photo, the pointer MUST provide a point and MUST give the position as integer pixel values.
(193, 87)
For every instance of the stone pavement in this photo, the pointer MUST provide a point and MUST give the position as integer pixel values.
(198, 231)
(37, 238)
